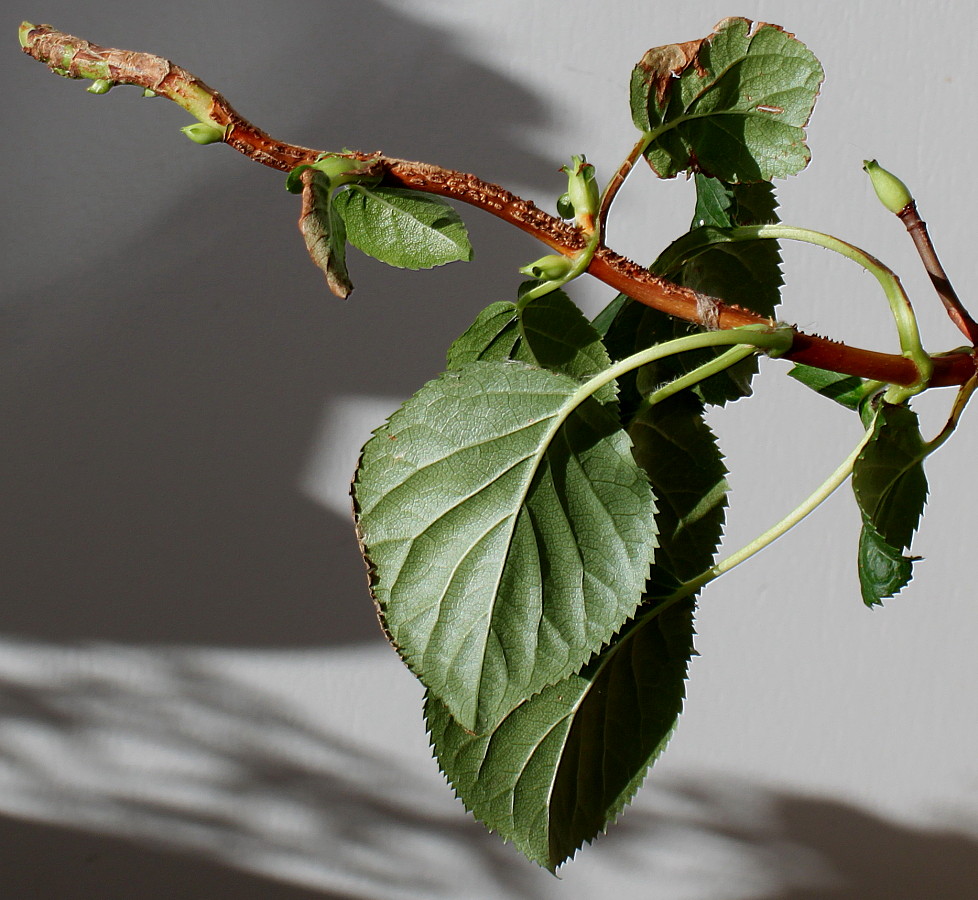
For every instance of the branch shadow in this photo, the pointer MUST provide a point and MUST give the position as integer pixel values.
(171, 763)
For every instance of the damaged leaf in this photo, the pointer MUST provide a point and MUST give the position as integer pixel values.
(733, 105)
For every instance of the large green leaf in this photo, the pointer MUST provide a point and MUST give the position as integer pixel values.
(323, 230)
(562, 765)
(744, 273)
(891, 490)
(508, 532)
(733, 105)
(403, 228)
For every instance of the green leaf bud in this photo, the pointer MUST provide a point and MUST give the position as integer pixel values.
(23, 33)
(893, 193)
(200, 133)
(100, 86)
(552, 267)
(582, 191)
(565, 209)
(147, 92)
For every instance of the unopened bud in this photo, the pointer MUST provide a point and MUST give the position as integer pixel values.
(100, 86)
(200, 133)
(893, 193)
(552, 267)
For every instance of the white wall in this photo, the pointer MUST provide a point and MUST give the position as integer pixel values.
(188, 658)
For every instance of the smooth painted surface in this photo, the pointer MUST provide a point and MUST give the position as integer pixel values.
(194, 697)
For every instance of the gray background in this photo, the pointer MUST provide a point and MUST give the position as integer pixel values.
(195, 701)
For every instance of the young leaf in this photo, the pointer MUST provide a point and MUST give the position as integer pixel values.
(733, 105)
(746, 273)
(323, 230)
(562, 765)
(888, 477)
(883, 570)
(403, 228)
(891, 489)
(844, 389)
(508, 532)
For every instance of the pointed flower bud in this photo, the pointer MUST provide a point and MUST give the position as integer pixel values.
(893, 193)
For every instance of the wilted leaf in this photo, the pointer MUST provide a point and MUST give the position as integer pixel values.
(323, 230)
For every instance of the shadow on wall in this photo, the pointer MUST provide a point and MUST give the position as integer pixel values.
(160, 402)
(172, 765)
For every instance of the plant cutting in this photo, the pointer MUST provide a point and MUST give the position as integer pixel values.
(540, 521)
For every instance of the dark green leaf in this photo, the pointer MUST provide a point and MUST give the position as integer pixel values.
(845, 389)
(494, 335)
(883, 570)
(561, 766)
(745, 273)
(888, 477)
(549, 331)
(403, 228)
(323, 230)
(508, 531)
(733, 105)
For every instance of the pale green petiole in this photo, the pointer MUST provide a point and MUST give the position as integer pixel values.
(775, 339)
(903, 314)
(812, 502)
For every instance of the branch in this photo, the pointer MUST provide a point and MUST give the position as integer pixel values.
(77, 58)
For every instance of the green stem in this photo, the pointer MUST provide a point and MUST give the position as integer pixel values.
(900, 307)
(777, 340)
(960, 401)
(819, 496)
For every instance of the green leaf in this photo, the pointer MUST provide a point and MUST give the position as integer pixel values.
(888, 476)
(845, 389)
(549, 331)
(733, 105)
(323, 230)
(403, 228)
(494, 335)
(508, 533)
(883, 570)
(562, 765)
(744, 273)
(891, 489)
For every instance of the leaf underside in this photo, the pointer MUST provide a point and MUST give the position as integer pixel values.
(564, 764)
(508, 530)
(403, 228)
